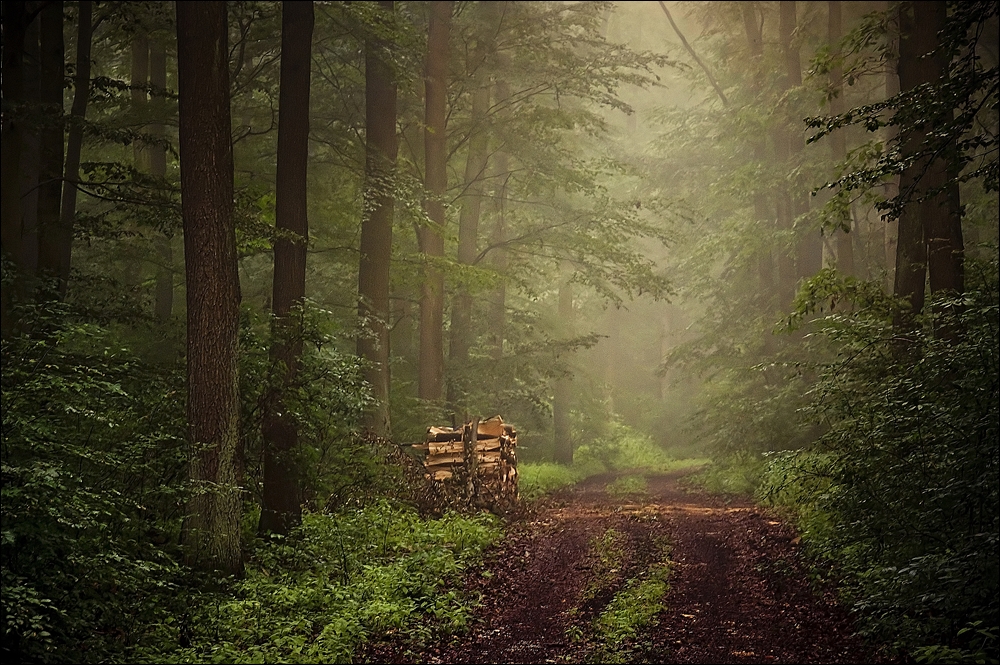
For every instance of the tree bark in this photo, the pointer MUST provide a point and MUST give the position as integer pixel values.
(430, 236)
(53, 237)
(838, 140)
(381, 149)
(74, 144)
(281, 508)
(563, 439)
(211, 534)
(14, 23)
(941, 213)
(162, 241)
(919, 23)
(30, 152)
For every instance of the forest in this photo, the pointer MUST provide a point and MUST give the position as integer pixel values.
(728, 269)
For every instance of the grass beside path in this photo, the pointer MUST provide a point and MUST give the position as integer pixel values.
(630, 451)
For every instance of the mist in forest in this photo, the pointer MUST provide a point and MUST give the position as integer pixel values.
(263, 261)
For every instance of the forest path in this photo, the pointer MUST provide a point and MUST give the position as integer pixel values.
(738, 592)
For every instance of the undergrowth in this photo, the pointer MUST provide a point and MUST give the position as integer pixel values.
(333, 583)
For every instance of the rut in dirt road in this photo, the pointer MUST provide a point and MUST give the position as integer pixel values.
(737, 591)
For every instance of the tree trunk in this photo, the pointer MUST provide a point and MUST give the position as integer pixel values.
(162, 241)
(941, 214)
(468, 244)
(14, 18)
(381, 149)
(498, 236)
(762, 211)
(53, 237)
(563, 439)
(30, 153)
(809, 249)
(74, 145)
(138, 80)
(431, 236)
(838, 140)
(281, 507)
(919, 23)
(890, 226)
(785, 217)
(211, 534)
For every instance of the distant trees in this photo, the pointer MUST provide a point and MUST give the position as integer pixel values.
(212, 527)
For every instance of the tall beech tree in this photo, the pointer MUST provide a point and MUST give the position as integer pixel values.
(500, 170)
(430, 234)
(838, 140)
(468, 222)
(74, 143)
(809, 248)
(281, 507)
(53, 237)
(930, 225)
(211, 534)
(381, 148)
(15, 18)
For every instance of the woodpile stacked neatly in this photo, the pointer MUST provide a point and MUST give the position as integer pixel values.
(477, 461)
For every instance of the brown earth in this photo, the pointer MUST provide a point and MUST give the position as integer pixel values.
(739, 592)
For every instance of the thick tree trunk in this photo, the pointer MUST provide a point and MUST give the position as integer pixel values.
(162, 242)
(930, 235)
(30, 153)
(940, 214)
(468, 245)
(53, 237)
(431, 236)
(911, 250)
(211, 533)
(14, 19)
(381, 149)
(838, 141)
(563, 439)
(74, 145)
(281, 507)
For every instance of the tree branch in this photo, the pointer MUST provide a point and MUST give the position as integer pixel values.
(722, 95)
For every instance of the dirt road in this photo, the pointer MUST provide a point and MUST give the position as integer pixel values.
(738, 592)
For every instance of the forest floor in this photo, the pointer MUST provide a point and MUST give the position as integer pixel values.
(738, 589)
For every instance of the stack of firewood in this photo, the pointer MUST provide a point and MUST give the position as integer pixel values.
(478, 459)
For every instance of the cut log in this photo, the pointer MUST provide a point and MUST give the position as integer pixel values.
(444, 434)
(440, 474)
(491, 428)
(444, 447)
(457, 458)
